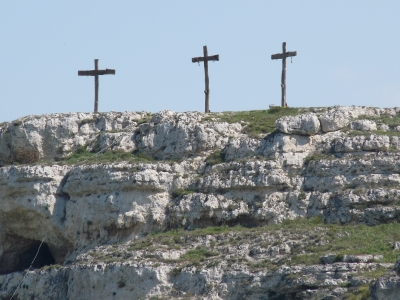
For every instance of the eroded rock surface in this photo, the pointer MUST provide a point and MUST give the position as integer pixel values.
(332, 164)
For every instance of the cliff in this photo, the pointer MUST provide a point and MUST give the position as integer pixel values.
(295, 203)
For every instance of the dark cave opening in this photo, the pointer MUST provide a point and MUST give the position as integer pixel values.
(43, 258)
(19, 252)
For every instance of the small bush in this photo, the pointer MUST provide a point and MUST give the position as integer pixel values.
(80, 150)
(175, 271)
(178, 193)
(301, 196)
(215, 158)
(86, 121)
(362, 293)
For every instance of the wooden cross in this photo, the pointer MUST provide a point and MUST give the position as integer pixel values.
(206, 58)
(283, 56)
(96, 72)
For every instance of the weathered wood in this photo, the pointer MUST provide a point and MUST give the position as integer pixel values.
(205, 59)
(207, 81)
(96, 72)
(201, 58)
(283, 56)
(283, 79)
(96, 86)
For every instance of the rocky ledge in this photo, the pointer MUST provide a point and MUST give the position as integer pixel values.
(275, 204)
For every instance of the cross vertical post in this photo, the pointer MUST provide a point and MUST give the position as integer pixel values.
(205, 59)
(96, 86)
(207, 81)
(283, 79)
(283, 56)
(96, 72)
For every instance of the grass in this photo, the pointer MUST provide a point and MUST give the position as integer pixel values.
(352, 133)
(392, 122)
(354, 240)
(255, 122)
(198, 254)
(343, 239)
(374, 274)
(362, 293)
(83, 156)
(178, 193)
(320, 156)
(315, 240)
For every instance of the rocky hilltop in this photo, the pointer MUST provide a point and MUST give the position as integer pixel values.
(285, 203)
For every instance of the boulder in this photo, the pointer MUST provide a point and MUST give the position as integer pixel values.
(305, 124)
(385, 127)
(332, 121)
(361, 258)
(376, 143)
(363, 125)
(385, 289)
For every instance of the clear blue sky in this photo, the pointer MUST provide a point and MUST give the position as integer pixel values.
(347, 53)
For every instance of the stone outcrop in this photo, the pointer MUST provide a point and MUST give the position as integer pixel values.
(306, 124)
(363, 125)
(199, 172)
(333, 121)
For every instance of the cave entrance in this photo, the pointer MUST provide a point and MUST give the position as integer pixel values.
(43, 258)
(19, 253)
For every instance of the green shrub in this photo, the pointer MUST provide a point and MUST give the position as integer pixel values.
(86, 121)
(175, 271)
(80, 150)
(217, 157)
(362, 293)
(178, 193)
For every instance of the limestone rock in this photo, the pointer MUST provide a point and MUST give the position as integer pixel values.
(305, 124)
(91, 213)
(396, 246)
(385, 288)
(384, 127)
(333, 121)
(361, 258)
(363, 125)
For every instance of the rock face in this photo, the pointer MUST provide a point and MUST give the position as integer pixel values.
(198, 172)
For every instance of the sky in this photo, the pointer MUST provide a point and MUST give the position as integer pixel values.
(347, 54)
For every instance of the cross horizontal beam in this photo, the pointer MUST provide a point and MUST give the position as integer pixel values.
(202, 58)
(283, 55)
(96, 72)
